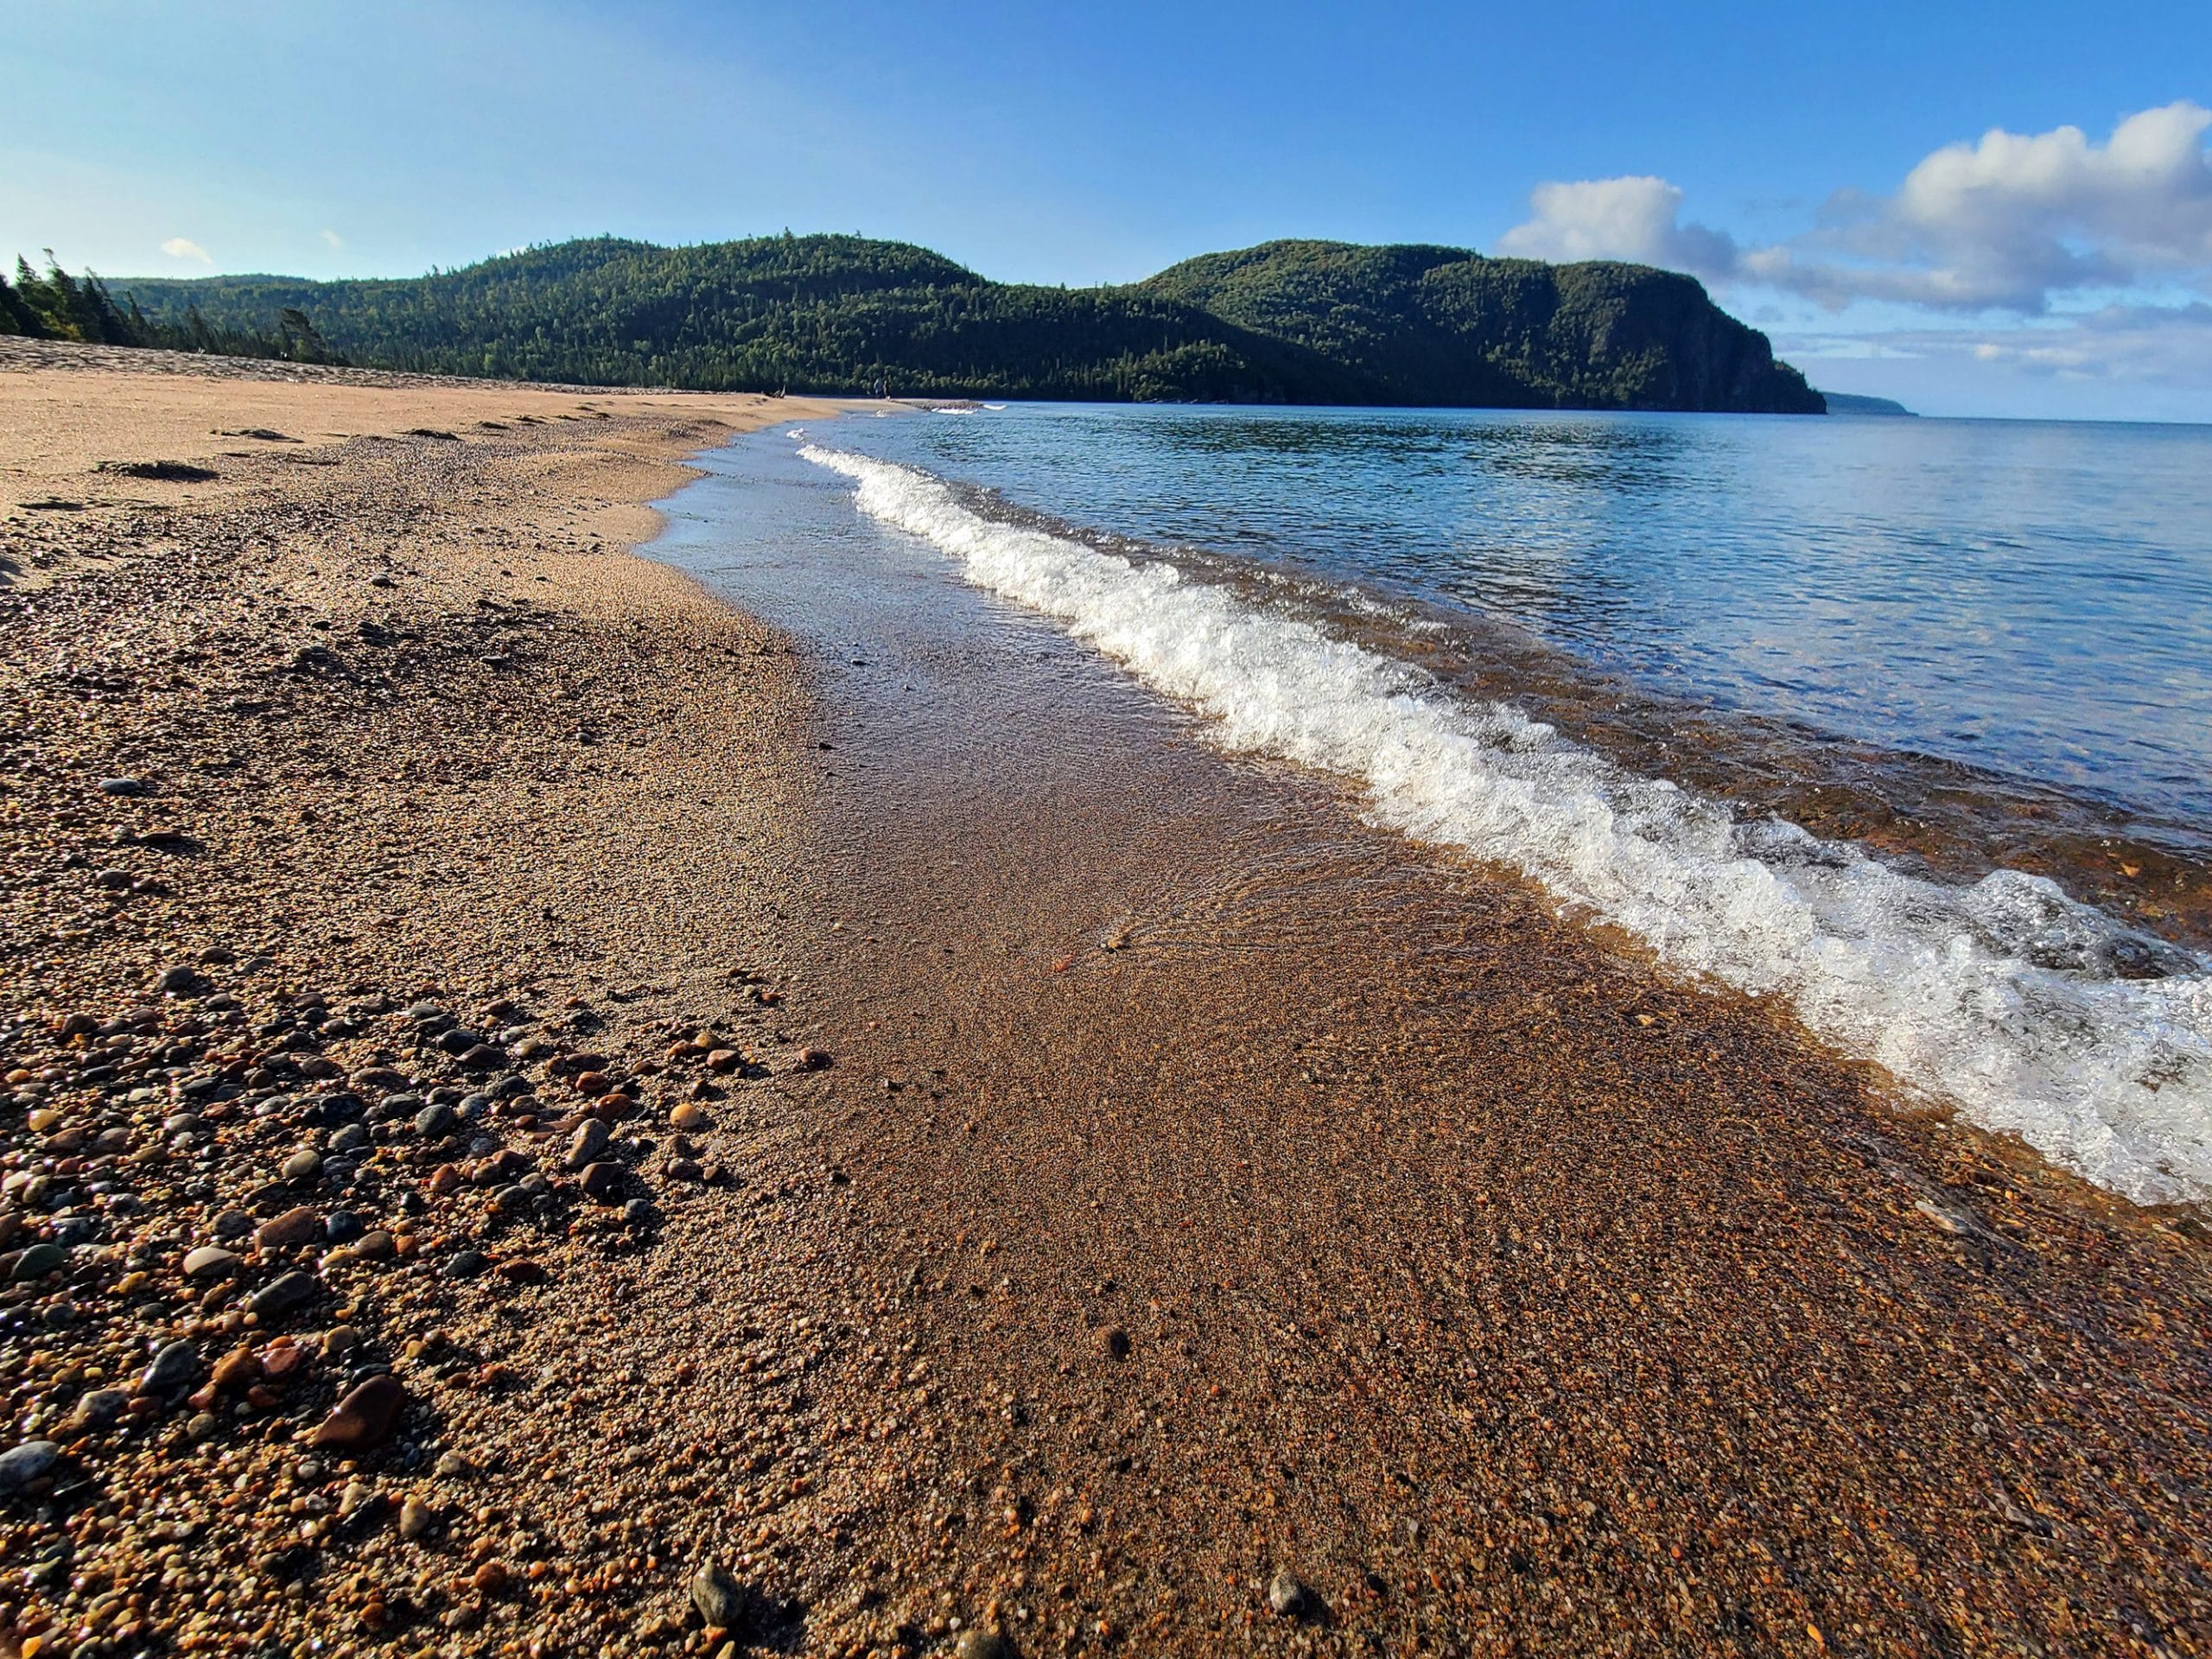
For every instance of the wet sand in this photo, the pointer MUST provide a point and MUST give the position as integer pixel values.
(1126, 1184)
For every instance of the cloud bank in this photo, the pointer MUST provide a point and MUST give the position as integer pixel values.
(2010, 223)
(178, 247)
(2045, 254)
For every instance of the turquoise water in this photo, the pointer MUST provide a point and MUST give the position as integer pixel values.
(2031, 598)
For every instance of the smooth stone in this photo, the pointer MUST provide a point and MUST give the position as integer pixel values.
(343, 1227)
(101, 1407)
(175, 1367)
(975, 1644)
(416, 1518)
(40, 1260)
(283, 1295)
(588, 1142)
(436, 1121)
(467, 1264)
(718, 1598)
(298, 1225)
(365, 1417)
(602, 1183)
(30, 1461)
(209, 1261)
(1285, 1595)
(301, 1165)
(689, 1115)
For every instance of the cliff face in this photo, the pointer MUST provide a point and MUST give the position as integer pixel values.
(1428, 325)
(1302, 322)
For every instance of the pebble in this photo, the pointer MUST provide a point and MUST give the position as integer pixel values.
(209, 1261)
(175, 1367)
(718, 1598)
(39, 1260)
(436, 1121)
(602, 1183)
(689, 1115)
(977, 1643)
(416, 1518)
(122, 786)
(364, 1418)
(283, 1295)
(302, 1166)
(1285, 1595)
(467, 1264)
(32, 1460)
(298, 1225)
(100, 1408)
(588, 1142)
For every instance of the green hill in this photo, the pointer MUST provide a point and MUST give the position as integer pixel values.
(1443, 325)
(1288, 322)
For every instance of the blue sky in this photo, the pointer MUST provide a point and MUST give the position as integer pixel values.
(1804, 161)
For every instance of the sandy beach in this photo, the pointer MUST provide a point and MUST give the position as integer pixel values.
(523, 1139)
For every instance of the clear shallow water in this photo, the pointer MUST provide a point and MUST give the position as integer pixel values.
(2000, 997)
(2035, 598)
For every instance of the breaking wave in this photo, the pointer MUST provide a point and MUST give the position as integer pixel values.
(2003, 998)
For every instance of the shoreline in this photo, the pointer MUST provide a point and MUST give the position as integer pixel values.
(1449, 1276)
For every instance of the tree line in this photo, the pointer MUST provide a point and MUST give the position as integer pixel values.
(57, 306)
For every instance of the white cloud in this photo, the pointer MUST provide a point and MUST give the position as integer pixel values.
(178, 247)
(333, 238)
(2014, 220)
(2008, 223)
(1636, 217)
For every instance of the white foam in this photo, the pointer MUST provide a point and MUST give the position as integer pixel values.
(1996, 997)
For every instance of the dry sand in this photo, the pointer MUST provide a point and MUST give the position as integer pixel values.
(1422, 1277)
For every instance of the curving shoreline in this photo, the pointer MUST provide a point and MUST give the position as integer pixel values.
(1373, 1228)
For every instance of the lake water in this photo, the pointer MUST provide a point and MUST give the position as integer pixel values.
(2033, 598)
(1444, 612)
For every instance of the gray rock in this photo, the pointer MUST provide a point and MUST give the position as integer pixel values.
(467, 1264)
(40, 1260)
(588, 1142)
(979, 1643)
(175, 1368)
(122, 786)
(638, 1212)
(283, 1295)
(303, 1165)
(178, 978)
(1285, 1595)
(353, 1138)
(100, 1408)
(721, 1601)
(436, 1121)
(26, 1462)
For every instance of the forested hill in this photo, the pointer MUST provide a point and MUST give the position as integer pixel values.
(1288, 322)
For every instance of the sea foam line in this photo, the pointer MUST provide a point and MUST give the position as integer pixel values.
(1997, 997)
